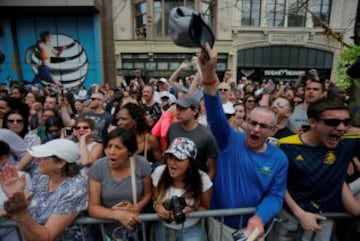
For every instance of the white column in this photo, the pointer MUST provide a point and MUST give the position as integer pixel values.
(263, 21)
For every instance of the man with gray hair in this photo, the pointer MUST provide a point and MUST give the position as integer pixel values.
(249, 172)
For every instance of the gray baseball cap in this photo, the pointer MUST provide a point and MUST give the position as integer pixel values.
(188, 101)
(188, 29)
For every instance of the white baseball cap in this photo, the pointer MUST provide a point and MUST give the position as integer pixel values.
(164, 94)
(62, 148)
(162, 79)
(228, 109)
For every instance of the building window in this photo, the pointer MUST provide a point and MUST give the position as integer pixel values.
(293, 13)
(275, 13)
(296, 13)
(250, 12)
(140, 20)
(321, 10)
(161, 15)
(162, 64)
(162, 9)
(206, 11)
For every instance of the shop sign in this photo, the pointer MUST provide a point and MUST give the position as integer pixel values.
(282, 72)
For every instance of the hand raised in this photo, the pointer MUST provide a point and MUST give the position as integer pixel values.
(10, 180)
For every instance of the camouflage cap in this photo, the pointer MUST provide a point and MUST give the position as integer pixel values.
(182, 148)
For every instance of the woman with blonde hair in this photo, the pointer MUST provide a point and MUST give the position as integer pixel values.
(89, 148)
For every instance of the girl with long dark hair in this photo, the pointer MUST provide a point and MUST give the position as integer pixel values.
(180, 188)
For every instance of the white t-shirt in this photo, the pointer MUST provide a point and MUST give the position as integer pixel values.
(206, 182)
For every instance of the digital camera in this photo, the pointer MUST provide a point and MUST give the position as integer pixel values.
(176, 205)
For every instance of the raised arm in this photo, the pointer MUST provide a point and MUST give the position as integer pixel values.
(195, 82)
(88, 157)
(66, 116)
(172, 80)
(208, 70)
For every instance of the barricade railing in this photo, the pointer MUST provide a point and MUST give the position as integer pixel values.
(152, 217)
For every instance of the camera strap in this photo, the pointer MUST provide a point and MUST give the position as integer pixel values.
(133, 179)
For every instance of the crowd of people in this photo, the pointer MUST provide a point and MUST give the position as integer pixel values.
(174, 146)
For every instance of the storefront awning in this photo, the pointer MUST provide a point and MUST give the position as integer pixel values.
(285, 57)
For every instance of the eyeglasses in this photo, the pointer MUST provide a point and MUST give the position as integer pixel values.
(336, 122)
(82, 127)
(15, 121)
(262, 125)
(297, 102)
(93, 99)
(225, 90)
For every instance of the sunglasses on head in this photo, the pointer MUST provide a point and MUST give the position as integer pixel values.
(336, 122)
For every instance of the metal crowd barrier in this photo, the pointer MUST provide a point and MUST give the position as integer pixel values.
(152, 217)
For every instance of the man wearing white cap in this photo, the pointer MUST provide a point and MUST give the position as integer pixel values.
(230, 114)
(163, 85)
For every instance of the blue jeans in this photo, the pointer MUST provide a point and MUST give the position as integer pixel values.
(193, 233)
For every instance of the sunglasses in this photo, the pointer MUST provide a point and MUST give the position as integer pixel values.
(250, 101)
(15, 121)
(336, 122)
(225, 90)
(262, 125)
(82, 127)
(279, 104)
(93, 99)
(228, 116)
